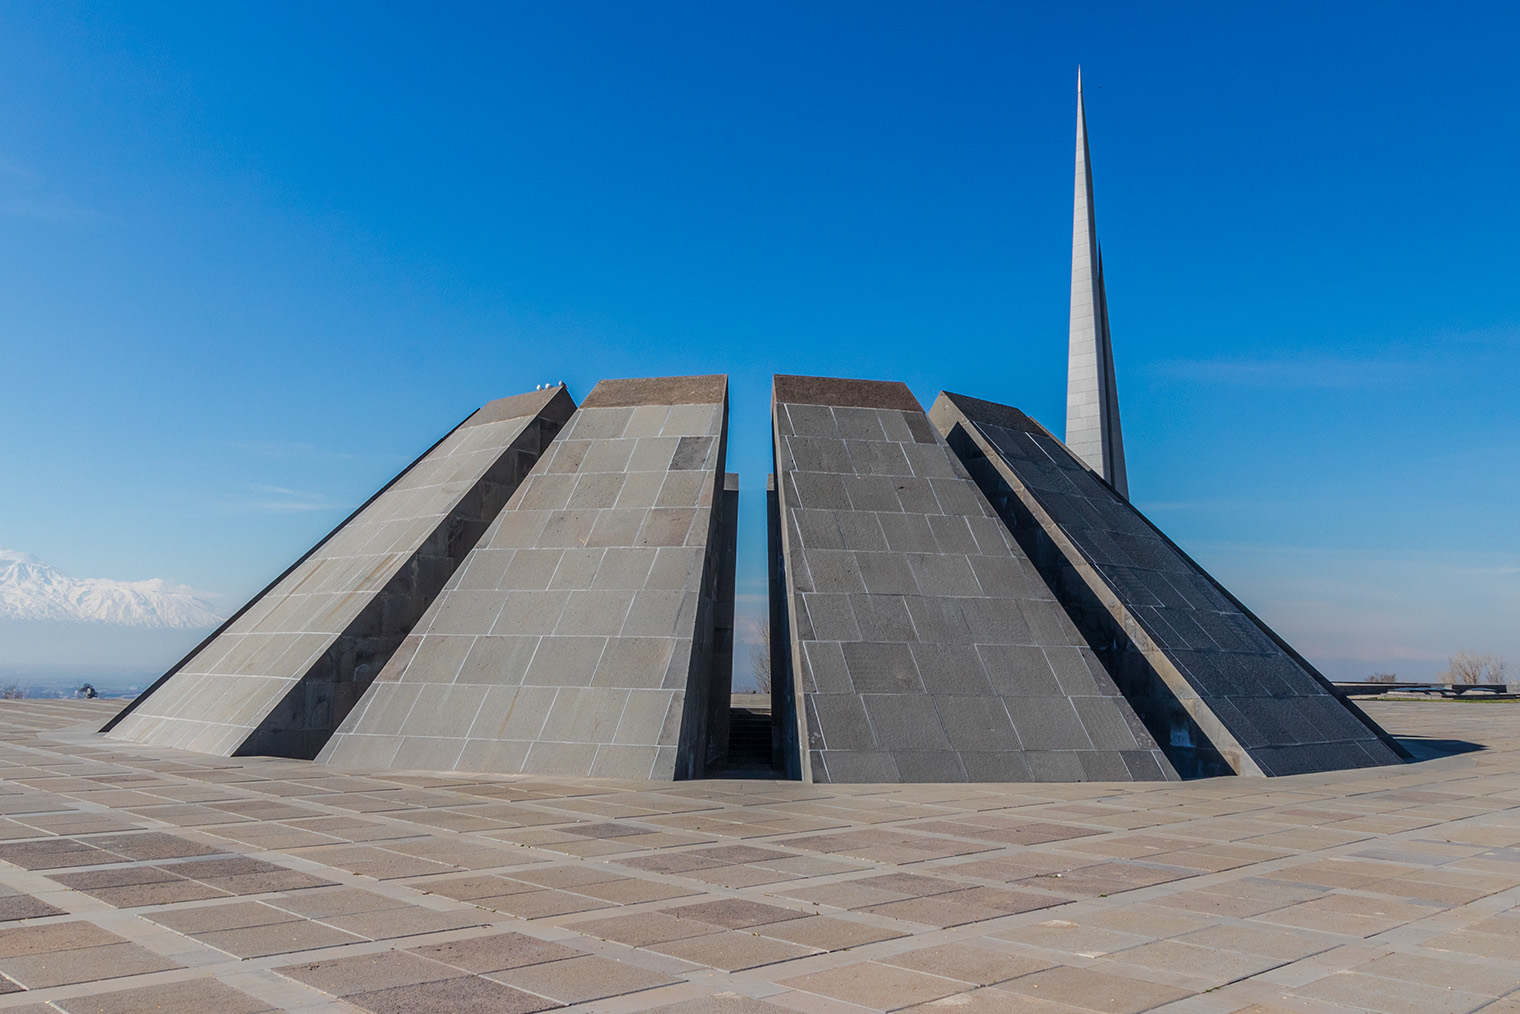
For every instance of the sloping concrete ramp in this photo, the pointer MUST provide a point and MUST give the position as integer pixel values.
(579, 637)
(914, 642)
(284, 671)
(1210, 680)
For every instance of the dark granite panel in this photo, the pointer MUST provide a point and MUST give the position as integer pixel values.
(928, 766)
(906, 721)
(1264, 696)
(915, 621)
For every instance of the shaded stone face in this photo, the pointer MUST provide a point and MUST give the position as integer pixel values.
(1213, 684)
(921, 644)
(281, 675)
(579, 636)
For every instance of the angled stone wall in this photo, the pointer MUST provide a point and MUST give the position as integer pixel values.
(919, 643)
(579, 638)
(1218, 688)
(282, 673)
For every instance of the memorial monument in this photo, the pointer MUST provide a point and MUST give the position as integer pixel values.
(957, 596)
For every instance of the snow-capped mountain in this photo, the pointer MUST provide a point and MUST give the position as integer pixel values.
(32, 590)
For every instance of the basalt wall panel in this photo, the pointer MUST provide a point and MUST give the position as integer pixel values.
(283, 672)
(1212, 682)
(914, 641)
(580, 636)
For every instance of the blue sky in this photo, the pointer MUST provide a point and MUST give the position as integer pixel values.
(253, 258)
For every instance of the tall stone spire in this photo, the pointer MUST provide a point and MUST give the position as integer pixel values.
(1092, 397)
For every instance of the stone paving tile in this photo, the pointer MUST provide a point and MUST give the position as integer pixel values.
(195, 997)
(496, 952)
(366, 973)
(991, 1000)
(275, 938)
(722, 1003)
(875, 986)
(464, 995)
(969, 962)
(85, 964)
(1087, 989)
(827, 933)
(731, 951)
(577, 980)
(1384, 891)
(24, 906)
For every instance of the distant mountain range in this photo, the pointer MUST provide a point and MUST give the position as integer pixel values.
(31, 590)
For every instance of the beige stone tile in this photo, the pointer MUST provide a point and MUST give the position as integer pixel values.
(876, 986)
(451, 996)
(87, 964)
(58, 936)
(734, 913)
(1487, 945)
(1214, 966)
(1071, 937)
(1349, 914)
(1094, 991)
(637, 930)
(1267, 941)
(391, 923)
(969, 962)
(1390, 996)
(827, 933)
(368, 972)
(990, 1000)
(495, 952)
(193, 997)
(541, 904)
(577, 980)
(276, 938)
(732, 950)
(209, 918)
(1491, 977)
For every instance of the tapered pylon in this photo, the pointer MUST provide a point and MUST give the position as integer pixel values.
(1092, 396)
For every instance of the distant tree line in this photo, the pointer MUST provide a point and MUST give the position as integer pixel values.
(1465, 667)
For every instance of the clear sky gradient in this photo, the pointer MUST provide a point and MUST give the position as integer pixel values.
(254, 258)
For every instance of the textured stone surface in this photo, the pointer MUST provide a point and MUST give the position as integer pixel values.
(1368, 891)
(579, 636)
(923, 646)
(284, 671)
(1213, 684)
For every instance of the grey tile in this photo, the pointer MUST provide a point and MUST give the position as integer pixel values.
(977, 724)
(882, 668)
(906, 722)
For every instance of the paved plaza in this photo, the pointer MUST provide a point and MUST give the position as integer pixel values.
(144, 879)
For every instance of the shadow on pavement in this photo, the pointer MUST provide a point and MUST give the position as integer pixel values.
(1422, 748)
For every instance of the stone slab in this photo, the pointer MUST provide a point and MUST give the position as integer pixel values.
(1214, 685)
(281, 675)
(581, 635)
(920, 643)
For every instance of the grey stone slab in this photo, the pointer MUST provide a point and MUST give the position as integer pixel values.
(283, 673)
(1210, 682)
(604, 657)
(913, 624)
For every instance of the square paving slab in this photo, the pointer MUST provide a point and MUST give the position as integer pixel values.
(1374, 891)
